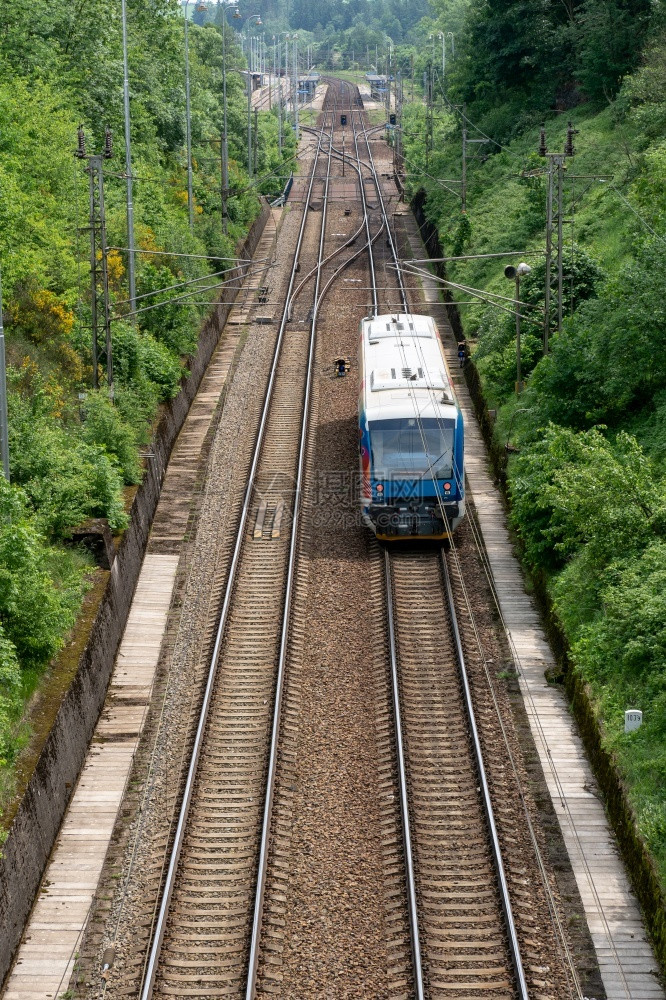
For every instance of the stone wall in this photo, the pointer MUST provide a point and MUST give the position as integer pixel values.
(39, 815)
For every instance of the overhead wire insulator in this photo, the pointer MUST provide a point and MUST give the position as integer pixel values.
(543, 148)
(569, 149)
(108, 144)
(80, 152)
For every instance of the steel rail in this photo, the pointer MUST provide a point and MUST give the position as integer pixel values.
(148, 981)
(371, 256)
(402, 785)
(514, 946)
(349, 242)
(412, 905)
(505, 901)
(382, 205)
(253, 958)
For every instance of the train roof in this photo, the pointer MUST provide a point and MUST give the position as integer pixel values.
(404, 368)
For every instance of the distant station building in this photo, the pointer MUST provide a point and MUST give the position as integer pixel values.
(257, 80)
(377, 86)
(307, 86)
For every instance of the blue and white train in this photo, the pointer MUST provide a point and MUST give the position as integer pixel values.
(410, 430)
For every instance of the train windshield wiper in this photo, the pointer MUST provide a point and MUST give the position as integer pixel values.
(431, 468)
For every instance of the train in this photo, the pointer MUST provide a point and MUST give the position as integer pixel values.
(411, 433)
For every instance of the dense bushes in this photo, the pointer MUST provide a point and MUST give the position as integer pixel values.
(73, 449)
(588, 485)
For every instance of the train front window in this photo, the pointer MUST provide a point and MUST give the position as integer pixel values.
(405, 449)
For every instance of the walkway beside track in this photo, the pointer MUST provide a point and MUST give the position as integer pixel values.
(47, 953)
(626, 961)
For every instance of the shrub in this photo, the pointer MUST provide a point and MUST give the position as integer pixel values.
(104, 426)
(34, 615)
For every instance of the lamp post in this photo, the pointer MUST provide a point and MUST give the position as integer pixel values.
(256, 19)
(515, 274)
(131, 272)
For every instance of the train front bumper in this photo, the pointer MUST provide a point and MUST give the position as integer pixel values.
(391, 522)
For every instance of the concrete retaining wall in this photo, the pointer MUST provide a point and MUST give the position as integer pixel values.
(40, 813)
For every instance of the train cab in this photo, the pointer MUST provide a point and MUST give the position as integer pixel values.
(411, 433)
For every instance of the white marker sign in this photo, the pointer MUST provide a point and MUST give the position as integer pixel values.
(632, 720)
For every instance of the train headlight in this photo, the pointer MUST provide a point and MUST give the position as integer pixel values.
(379, 488)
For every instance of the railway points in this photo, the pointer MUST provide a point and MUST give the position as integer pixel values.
(307, 816)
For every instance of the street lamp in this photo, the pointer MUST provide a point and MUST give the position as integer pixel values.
(225, 146)
(256, 18)
(515, 274)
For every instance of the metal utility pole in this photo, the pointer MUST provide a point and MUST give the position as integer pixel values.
(131, 262)
(279, 87)
(255, 18)
(296, 87)
(515, 274)
(249, 119)
(256, 137)
(388, 80)
(463, 193)
(4, 420)
(426, 92)
(465, 143)
(188, 121)
(224, 151)
(99, 276)
(556, 164)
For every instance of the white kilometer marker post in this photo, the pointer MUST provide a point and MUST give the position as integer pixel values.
(633, 719)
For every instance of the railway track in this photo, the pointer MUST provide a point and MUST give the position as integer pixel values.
(463, 935)
(199, 940)
(218, 927)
